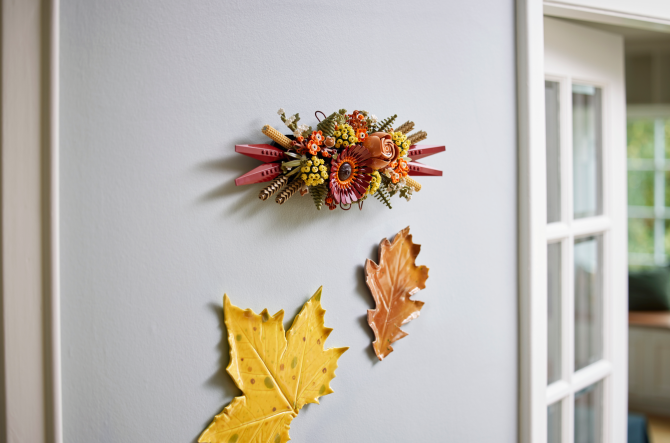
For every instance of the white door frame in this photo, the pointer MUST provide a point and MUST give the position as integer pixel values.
(30, 382)
(532, 201)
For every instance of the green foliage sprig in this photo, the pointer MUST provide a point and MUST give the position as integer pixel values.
(293, 125)
(383, 197)
(384, 124)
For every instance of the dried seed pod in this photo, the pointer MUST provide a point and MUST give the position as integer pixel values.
(413, 183)
(273, 187)
(277, 136)
(288, 191)
(318, 193)
(417, 137)
(327, 125)
(405, 128)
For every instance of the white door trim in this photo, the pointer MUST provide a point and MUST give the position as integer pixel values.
(563, 9)
(30, 386)
(532, 221)
(532, 199)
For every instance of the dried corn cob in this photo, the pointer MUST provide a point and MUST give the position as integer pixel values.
(405, 128)
(417, 137)
(288, 191)
(413, 183)
(277, 136)
(273, 187)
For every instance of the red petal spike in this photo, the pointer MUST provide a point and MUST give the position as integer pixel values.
(260, 174)
(416, 168)
(416, 152)
(264, 153)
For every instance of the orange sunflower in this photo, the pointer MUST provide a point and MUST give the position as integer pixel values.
(350, 174)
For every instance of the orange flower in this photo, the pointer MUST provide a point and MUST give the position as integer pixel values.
(361, 135)
(357, 120)
(329, 202)
(317, 137)
(403, 168)
(313, 147)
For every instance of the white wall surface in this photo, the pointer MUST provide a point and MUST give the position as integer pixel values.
(155, 94)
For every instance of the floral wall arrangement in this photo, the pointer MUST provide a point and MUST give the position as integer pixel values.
(345, 160)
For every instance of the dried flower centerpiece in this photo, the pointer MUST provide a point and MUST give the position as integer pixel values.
(348, 158)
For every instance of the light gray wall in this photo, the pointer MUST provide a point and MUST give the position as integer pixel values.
(155, 94)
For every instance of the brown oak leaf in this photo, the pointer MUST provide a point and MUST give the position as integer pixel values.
(392, 282)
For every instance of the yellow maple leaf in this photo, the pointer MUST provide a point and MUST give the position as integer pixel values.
(278, 372)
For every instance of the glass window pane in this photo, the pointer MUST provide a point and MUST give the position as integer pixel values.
(667, 188)
(554, 314)
(641, 188)
(589, 414)
(587, 150)
(641, 235)
(640, 136)
(588, 301)
(554, 423)
(551, 101)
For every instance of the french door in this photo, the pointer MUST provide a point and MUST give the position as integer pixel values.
(586, 321)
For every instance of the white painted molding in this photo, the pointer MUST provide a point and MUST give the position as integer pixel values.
(56, 397)
(30, 387)
(574, 11)
(532, 221)
(54, 222)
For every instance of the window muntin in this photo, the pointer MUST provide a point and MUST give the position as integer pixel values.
(553, 139)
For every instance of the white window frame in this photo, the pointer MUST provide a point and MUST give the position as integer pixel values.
(566, 232)
(533, 234)
(660, 114)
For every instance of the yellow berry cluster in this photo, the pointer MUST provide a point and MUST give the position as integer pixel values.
(314, 171)
(345, 136)
(401, 142)
(374, 184)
